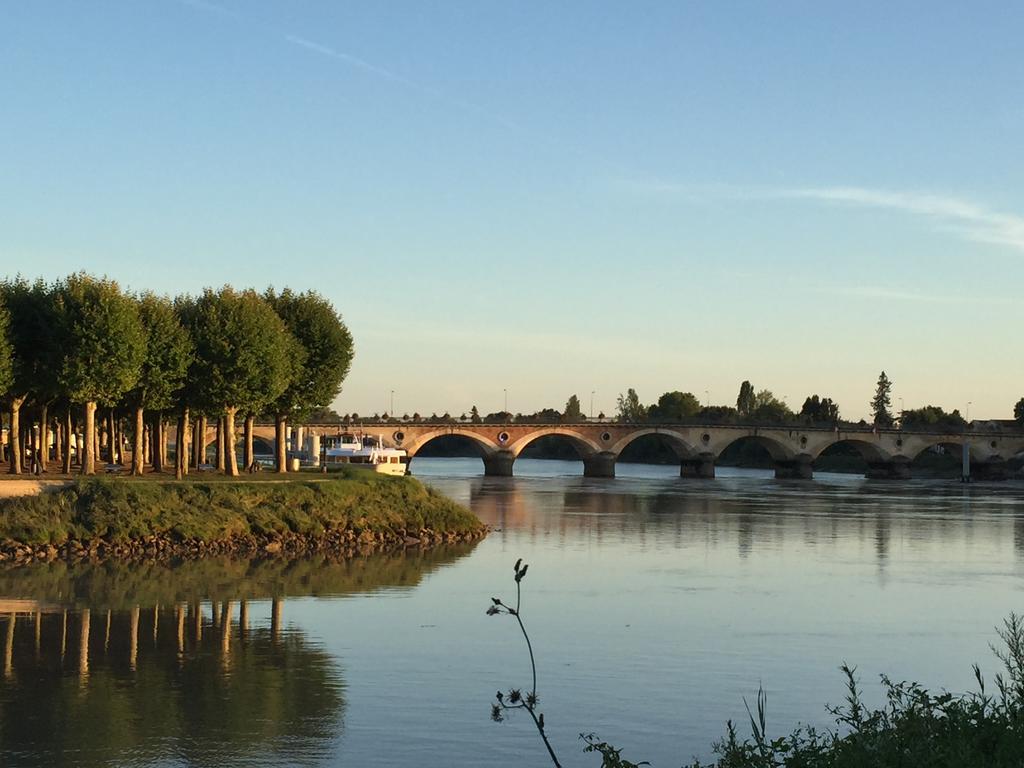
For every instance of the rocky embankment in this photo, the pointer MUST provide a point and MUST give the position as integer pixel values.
(339, 543)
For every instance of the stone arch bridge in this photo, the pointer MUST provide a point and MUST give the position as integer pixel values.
(888, 453)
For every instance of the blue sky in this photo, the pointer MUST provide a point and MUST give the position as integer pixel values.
(549, 198)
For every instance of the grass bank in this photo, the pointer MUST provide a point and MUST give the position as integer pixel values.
(353, 508)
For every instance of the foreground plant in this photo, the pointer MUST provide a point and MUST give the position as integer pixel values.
(514, 698)
(914, 728)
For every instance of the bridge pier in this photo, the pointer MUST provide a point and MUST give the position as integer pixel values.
(499, 464)
(599, 465)
(798, 468)
(897, 469)
(702, 466)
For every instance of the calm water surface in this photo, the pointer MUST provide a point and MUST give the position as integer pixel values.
(655, 605)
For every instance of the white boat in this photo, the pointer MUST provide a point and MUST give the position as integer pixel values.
(366, 452)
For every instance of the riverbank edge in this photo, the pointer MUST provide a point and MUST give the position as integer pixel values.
(123, 519)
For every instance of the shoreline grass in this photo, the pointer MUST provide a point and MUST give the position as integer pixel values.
(219, 509)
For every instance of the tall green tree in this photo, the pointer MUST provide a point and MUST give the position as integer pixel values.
(675, 406)
(164, 367)
(881, 402)
(104, 348)
(630, 408)
(572, 412)
(36, 353)
(474, 415)
(745, 400)
(319, 364)
(1018, 411)
(243, 357)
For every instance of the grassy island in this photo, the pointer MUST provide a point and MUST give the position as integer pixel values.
(148, 517)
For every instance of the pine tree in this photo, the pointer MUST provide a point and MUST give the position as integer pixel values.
(881, 402)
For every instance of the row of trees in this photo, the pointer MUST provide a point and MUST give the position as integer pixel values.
(762, 406)
(80, 343)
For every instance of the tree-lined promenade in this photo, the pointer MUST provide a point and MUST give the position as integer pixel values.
(83, 346)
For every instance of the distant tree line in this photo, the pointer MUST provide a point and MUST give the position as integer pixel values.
(82, 346)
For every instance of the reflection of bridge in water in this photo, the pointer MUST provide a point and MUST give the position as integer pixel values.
(793, 449)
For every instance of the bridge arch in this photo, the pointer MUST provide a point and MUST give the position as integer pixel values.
(869, 451)
(679, 444)
(777, 450)
(487, 447)
(584, 446)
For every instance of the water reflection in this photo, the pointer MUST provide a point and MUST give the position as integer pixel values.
(193, 664)
(109, 584)
(183, 684)
(750, 514)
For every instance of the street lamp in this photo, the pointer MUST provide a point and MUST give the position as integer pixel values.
(707, 399)
(592, 403)
(968, 417)
(392, 411)
(506, 402)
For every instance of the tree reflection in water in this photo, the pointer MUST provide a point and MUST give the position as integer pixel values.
(107, 664)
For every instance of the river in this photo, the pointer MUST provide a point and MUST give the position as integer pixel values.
(655, 605)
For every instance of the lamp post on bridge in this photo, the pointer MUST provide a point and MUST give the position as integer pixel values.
(592, 404)
(505, 391)
(392, 411)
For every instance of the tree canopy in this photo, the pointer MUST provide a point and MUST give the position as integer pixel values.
(6, 350)
(629, 407)
(325, 351)
(572, 411)
(169, 352)
(820, 410)
(103, 340)
(675, 406)
(745, 400)
(243, 351)
(932, 417)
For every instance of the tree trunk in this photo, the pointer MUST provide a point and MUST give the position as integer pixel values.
(181, 455)
(97, 428)
(220, 445)
(14, 436)
(58, 443)
(161, 446)
(156, 435)
(44, 435)
(197, 441)
(250, 456)
(23, 443)
(280, 447)
(228, 441)
(200, 440)
(89, 456)
(139, 447)
(147, 446)
(69, 439)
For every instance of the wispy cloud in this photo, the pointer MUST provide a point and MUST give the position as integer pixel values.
(967, 218)
(970, 219)
(355, 61)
